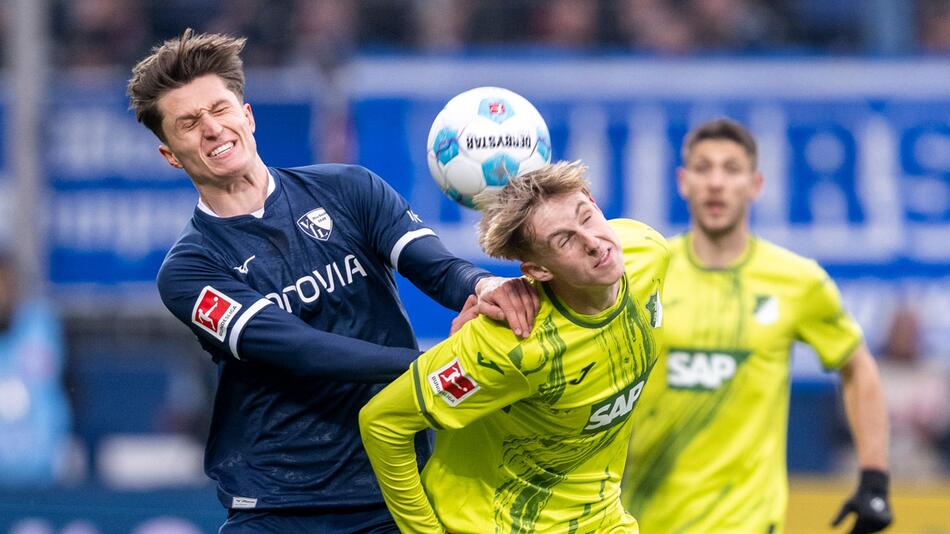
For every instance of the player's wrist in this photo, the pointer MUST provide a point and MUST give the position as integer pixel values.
(483, 283)
(874, 481)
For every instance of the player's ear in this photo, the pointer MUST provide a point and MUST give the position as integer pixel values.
(169, 157)
(536, 271)
(681, 182)
(249, 115)
(758, 182)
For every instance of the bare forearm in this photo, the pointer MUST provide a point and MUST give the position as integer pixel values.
(866, 411)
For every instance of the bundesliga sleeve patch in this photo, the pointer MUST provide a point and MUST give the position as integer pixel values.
(451, 383)
(214, 311)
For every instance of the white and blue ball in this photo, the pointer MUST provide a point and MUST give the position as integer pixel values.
(483, 137)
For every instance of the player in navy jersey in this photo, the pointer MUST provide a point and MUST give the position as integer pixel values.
(285, 275)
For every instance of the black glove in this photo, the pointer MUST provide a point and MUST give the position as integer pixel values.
(869, 503)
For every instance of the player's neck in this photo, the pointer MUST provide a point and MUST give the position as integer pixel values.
(719, 251)
(242, 196)
(587, 300)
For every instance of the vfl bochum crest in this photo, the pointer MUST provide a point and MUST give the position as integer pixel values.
(316, 224)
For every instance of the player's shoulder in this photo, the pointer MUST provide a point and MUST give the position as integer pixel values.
(495, 340)
(326, 173)
(645, 251)
(192, 251)
(782, 262)
(636, 235)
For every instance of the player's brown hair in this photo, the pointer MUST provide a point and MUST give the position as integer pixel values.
(723, 128)
(178, 61)
(504, 230)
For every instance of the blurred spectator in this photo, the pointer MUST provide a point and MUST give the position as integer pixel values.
(917, 391)
(169, 18)
(734, 24)
(262, 22)
(828, 25)
(655, 26)
(102, 33)
(385, 23)
(325, 33)
(566, 23)
(933, 23)
(34, 416)
(442, 24)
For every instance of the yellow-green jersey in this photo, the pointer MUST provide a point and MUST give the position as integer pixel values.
(708, 450)
(532, 434)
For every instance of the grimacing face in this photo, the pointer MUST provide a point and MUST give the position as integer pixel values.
(718, 183)
(209, 132)
(574, 244)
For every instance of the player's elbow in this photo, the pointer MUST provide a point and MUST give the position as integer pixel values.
(368, 421)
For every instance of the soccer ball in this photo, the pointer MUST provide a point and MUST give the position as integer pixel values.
(483, 137)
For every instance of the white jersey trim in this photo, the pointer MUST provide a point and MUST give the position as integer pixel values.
(407, 238)
(271, 186)
(241, 322)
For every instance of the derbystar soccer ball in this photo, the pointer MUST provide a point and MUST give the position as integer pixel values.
(483, 137)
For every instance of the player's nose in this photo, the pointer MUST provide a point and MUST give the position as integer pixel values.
(210, 127)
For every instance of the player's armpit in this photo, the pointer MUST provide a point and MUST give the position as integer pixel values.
(388, 423)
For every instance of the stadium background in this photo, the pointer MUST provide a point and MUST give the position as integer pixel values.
(849, 99)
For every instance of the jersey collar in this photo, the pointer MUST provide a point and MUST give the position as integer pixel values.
(736, 265)
(590, 321)
(271, 186)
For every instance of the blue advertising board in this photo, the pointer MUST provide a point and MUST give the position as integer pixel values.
(855, 153)
(116, 204)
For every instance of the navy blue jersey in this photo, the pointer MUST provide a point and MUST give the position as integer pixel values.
(299, 309)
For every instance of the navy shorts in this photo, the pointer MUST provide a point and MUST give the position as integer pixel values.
(366, 521)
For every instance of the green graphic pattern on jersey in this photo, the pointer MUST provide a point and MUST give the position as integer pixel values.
(541, 441)
(708, 450)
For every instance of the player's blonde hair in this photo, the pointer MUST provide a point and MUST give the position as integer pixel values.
(504, 230)
(178, 61)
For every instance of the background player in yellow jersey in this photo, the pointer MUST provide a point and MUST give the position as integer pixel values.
(532, 433)
(708, 451)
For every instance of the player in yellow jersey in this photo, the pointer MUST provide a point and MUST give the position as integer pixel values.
(708, 451)
(532, 434)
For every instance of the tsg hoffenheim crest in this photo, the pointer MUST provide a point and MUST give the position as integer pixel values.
(316, 224)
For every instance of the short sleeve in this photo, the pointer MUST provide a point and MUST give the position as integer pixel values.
(826, 325)
(467, 376)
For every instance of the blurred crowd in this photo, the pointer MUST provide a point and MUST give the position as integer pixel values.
(285, 32)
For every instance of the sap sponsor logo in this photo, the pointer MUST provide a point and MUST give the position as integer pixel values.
(213, 312)
(309, 287)
(316, 224)
(701, 370)
(451, 383)
(614, 410)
